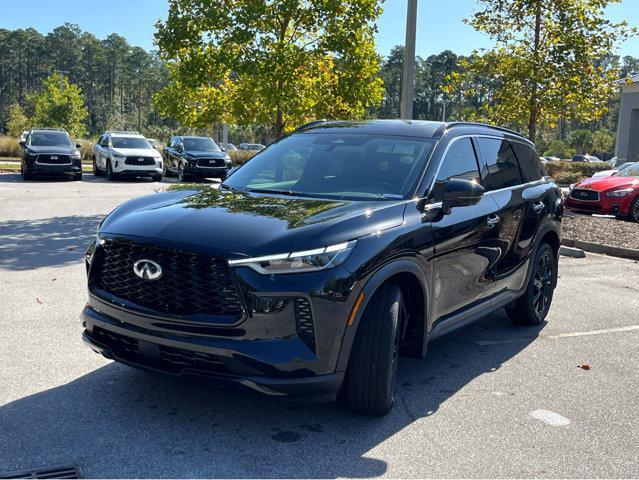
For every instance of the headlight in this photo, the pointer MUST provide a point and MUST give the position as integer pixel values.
(227, 159)
(619, 193)
(296, 262)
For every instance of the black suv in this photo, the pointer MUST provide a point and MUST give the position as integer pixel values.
(324, 257)
(195, 157)
(49, 151)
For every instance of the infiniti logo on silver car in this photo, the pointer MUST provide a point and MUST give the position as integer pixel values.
(147, 269)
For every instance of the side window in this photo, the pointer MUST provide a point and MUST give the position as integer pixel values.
(105, 141)
(502, 169)
(460, 163)
(529, 163)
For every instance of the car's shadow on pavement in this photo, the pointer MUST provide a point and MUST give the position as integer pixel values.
(54, 241)
(120, 422)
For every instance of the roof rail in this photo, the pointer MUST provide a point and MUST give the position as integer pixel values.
(50, 129)
(122, 132)
(310, 124)
(479, 124)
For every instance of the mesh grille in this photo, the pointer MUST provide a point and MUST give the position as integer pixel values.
(210, 162)
(304, 322)
(589, 195)
(54, 159)
(190, 284)
(139, 161)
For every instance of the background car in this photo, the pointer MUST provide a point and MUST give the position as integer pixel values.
(155, 144)
(615, 195)
(126, 154)
(611, 172)
(229, 147)
(584, 158)
(251, 147)
(195, 157)
(50, 151)
(23, 135)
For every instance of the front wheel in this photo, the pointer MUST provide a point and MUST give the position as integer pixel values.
(370, 378)
(182, 175)
(157, 177)
(532, 307)
(96, 171)
(634, 210)
(109, 171)
(77, 177)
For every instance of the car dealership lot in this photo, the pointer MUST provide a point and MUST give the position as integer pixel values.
(490, 400)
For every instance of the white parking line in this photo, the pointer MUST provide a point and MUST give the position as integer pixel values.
(603, 331)
(550, 417)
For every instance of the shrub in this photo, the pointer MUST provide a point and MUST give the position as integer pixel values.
(86, 149)
(240, 157)
(567, 178)
(569, 172)
(9, 147)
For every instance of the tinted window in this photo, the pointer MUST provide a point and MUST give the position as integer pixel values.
(337, 166)
(631, 171)
(50, 139)
(529, 162)
(105, 141)
(130, 142)
(460, 162)
(200, 145)
(501, 169)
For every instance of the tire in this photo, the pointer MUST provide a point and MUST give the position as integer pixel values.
(109, 171)
(633, 215)
(25, 174)
(77, 177)
(372, 367)
(532, 307)
(96, 171)
(182, 175)
(157, 178)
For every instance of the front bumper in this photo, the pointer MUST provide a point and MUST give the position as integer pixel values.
(53, 169)
(207, 172)
(604, 206)
(129, 172)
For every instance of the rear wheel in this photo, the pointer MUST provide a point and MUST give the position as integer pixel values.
(182, 175)
(634, 210)
(532, 307)
(372, 368)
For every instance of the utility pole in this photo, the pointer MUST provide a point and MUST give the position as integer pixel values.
(62, 74)
(408, 78)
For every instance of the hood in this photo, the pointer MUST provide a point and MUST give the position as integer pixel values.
(137, 152)
(71, 150)
(199, 154)
(238, 224)
(601, 184)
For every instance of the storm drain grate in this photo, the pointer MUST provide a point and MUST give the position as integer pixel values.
(54, 472)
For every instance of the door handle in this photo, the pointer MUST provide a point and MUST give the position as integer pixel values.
(538, 207)
(493, 220)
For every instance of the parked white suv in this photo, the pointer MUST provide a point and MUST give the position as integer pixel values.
(126, 154)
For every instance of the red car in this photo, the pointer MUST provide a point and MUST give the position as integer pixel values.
(616, 195)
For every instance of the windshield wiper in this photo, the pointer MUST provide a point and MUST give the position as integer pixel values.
(229, 187)
(288, 193)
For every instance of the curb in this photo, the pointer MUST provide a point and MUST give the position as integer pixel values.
(571, 252)
(609, 250)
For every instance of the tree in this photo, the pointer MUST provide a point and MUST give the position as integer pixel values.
(558, 148)
(279, 63)
(59, 104)
(17, 121)
(545, 60)
(581, 140)
(603, 141)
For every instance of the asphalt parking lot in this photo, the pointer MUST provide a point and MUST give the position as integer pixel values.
(491, 400)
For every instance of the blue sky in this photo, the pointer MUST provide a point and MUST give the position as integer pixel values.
(439, 23)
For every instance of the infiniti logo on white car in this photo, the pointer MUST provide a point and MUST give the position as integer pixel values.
(53, 157)
(147, 269)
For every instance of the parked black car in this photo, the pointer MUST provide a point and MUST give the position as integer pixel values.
(195, 157)
(48, 151)
(325, 256)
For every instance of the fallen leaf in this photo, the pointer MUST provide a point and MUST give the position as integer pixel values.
(38, 300)
(585, 366)
(53, 279)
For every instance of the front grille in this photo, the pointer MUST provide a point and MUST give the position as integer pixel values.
(585, 195)
(304, 322)
(140, 161)
(190, 284)
(52, 472)
(54, 159)
(210, 162)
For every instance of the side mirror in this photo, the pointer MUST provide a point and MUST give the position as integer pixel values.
(23, 143)
(179, 148)
(460, 193)
(77, 145)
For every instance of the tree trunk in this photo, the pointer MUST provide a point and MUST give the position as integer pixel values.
(534, 104)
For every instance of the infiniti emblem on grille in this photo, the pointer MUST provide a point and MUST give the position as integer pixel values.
(140, 159)
(147, 269)
(584, 194)
(53, 157)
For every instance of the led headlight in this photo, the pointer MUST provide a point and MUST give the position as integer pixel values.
(619, 193)
(296, 262)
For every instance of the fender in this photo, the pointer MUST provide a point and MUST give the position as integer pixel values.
(402, 265)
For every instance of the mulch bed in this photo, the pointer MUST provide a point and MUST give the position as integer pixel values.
(602, 230)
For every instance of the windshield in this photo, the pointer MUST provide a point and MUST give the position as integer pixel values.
(631, 171)
(130, 142)
(341, 166)
(200, 145)
(50, 139)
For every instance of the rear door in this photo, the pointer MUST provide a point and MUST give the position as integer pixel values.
(517, 201)
(466, 242)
